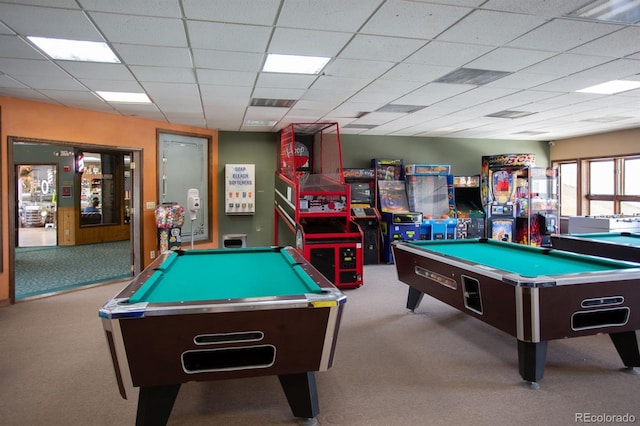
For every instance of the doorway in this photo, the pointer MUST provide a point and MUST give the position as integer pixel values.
(36, 199)
(53, 189)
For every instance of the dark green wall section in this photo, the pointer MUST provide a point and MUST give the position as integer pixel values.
(464, 156)
(249, 148)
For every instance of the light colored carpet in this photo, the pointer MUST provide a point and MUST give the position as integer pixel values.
(392, 367)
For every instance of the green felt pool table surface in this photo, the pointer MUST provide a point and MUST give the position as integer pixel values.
(216, 274)
(519, 259)
(612, 237)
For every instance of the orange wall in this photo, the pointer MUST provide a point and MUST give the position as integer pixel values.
(27, 119)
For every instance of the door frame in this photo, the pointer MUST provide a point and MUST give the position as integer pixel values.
(136, 203)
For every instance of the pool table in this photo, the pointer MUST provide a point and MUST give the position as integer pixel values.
(614, 245)
(199, 315)
(534, 294)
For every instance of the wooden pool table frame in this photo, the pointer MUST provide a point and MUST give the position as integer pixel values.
(159, 346)
(534, 310)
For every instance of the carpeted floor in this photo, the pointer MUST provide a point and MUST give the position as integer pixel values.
(42, 270)
(393, 367)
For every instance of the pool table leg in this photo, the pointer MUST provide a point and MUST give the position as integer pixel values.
(155, 404)
(531, 359)
(414, 298)
(626, 344)
(302, 394)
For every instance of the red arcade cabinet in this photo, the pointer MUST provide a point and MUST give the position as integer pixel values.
(313, 201)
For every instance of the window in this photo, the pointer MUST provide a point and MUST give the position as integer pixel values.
(568, 189)
(608, 186)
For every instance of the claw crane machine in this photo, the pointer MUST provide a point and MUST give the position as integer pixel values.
(313, 201)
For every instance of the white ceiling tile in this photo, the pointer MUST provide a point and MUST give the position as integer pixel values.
(37, 67)
(432, 93)
(232, 94)
(232, 78)
(400, 18)
(7, 82)
(232, 37)
(382, 53)
(327, 15)
(290, 41)
(521, 80)
(536, 7)
(509, 59)
(562, 34)
(112, 85)
(154, 55)
(278, 93)
(620, 43)
(504, 28)
(293, 81)
(416, 72)
(448, 54)
(376, 47)
(14, 47)
(48, 22)
(164, 8)
(619, 69)
(261, 12)
(51, 82)
(133, 29)
(475, 96)
(337, 84)
(565, 64)
(164, 74)
(226, 60)
(355, 68)
(96, 70)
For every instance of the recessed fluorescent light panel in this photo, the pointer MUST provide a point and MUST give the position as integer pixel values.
(626, 11)
(125, 97)
(611, 87)
(75, 50)
(294, 64)
(471, 76)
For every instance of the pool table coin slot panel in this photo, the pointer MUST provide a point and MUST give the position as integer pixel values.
(599, 318)
(471, 292)
(221, 338)
(228, 359)
(433, 276)
(602, 301)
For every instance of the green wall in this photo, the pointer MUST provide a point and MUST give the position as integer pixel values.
(464, 156)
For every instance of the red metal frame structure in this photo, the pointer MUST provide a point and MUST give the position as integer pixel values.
(312, 199)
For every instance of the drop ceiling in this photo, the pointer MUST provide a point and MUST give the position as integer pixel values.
(200, 62)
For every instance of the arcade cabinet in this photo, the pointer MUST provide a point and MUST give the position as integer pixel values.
(471, 217)
(364, 211)
(314, 203)
(430, 192)
(520, 200)
(397, 222)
